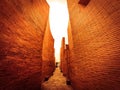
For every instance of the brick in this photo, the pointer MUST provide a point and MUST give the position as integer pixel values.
(22, 28)
(48, 59)
(62, 53)
(94, 45)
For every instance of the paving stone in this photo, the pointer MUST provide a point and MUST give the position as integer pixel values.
(56, 82)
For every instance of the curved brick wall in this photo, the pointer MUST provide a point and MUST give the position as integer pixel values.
(22, 27)
(48, 59)
(94, 41)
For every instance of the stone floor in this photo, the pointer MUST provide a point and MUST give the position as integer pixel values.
(56, 82)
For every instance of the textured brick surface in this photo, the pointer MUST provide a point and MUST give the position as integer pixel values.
(94, 41)
(48, 59)
(22, 26)
(64, 61)
(64, 58)
(68, 62)
(62, 53)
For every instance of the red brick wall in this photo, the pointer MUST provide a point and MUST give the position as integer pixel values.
(62, 53)
(64, 61)
(94, 43)
(48, 64)
(22, 26)
(67, 62)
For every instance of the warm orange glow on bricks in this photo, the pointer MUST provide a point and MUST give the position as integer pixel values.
(48, 58)
(22, 27)
(90, 60)
(94, 44)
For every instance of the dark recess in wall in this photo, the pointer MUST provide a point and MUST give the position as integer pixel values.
(84, 2)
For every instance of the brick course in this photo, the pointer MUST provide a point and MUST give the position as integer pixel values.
(62, 53)
(22, 27)
(48, 59)
(94, 43)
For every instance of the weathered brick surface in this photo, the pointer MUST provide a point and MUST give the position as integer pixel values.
(64, 62)
(94, 43)
(48, 59)
(62, 53)
(67, 62)
(22, 26)
(64, 66)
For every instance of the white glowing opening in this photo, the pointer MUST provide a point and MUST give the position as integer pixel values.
(58, 23)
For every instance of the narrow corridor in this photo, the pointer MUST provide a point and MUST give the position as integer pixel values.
(56, 82)
(34, 36)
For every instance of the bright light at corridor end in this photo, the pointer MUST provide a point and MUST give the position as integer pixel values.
(58, 23)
